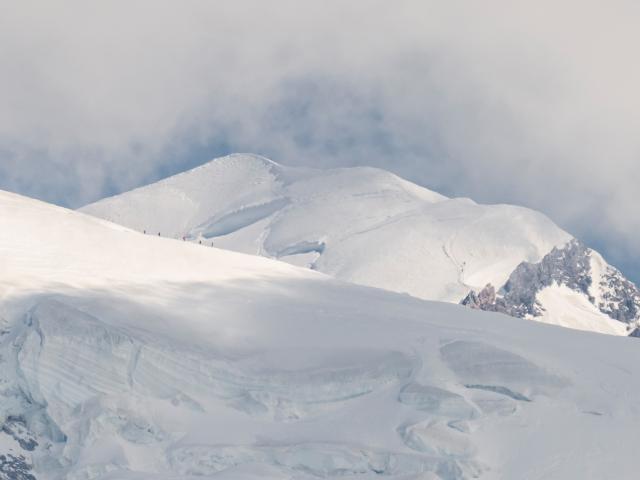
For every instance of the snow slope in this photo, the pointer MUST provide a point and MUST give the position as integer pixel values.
(132, 357)
(362, 225)
(368, 226)
(569, 308)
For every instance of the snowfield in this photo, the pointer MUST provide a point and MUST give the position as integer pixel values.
(370, 227)
(361, 225)
(135, 357)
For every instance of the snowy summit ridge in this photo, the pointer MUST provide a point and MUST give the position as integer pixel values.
(361, 224)
(370, 227)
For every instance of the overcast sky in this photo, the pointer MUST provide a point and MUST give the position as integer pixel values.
(534, 103)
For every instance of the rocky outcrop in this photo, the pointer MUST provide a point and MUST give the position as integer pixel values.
(14, 463)
(570, 266)
(620, 299)
(488, 300)
(15, 467)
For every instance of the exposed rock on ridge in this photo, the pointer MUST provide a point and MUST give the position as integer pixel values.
(570, 266)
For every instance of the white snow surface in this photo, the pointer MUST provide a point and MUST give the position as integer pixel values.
(361, 225)
(569, 308)
(133, 357)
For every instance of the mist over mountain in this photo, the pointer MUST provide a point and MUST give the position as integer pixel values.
(502, 102)
(427, 269)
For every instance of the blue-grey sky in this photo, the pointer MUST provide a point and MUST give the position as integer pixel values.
(527, 102)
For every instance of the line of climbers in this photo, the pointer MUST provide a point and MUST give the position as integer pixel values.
(184, 237)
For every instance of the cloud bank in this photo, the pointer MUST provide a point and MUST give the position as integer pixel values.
(534, 103)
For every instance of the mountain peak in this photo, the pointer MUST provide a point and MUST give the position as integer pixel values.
(240, 158)
(591, 287)
(247, 163)
(368, 226)
(360, 224)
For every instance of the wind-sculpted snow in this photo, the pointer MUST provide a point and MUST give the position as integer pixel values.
(72, 356)
(133, 357)
(484, 364)
(440, 439)
(322, 461)
(436, 401)
(237, 220)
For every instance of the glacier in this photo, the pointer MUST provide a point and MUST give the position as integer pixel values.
(132, 357)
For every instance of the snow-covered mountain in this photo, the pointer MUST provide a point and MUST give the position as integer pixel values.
(131, 357)
(571, 286)
(370, 227)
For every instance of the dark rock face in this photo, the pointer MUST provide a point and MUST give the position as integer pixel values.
(569, 266)
(488, 300)
(621, 298)
(15, 467)
(16, 464)
(16, 428)
(485, 299)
